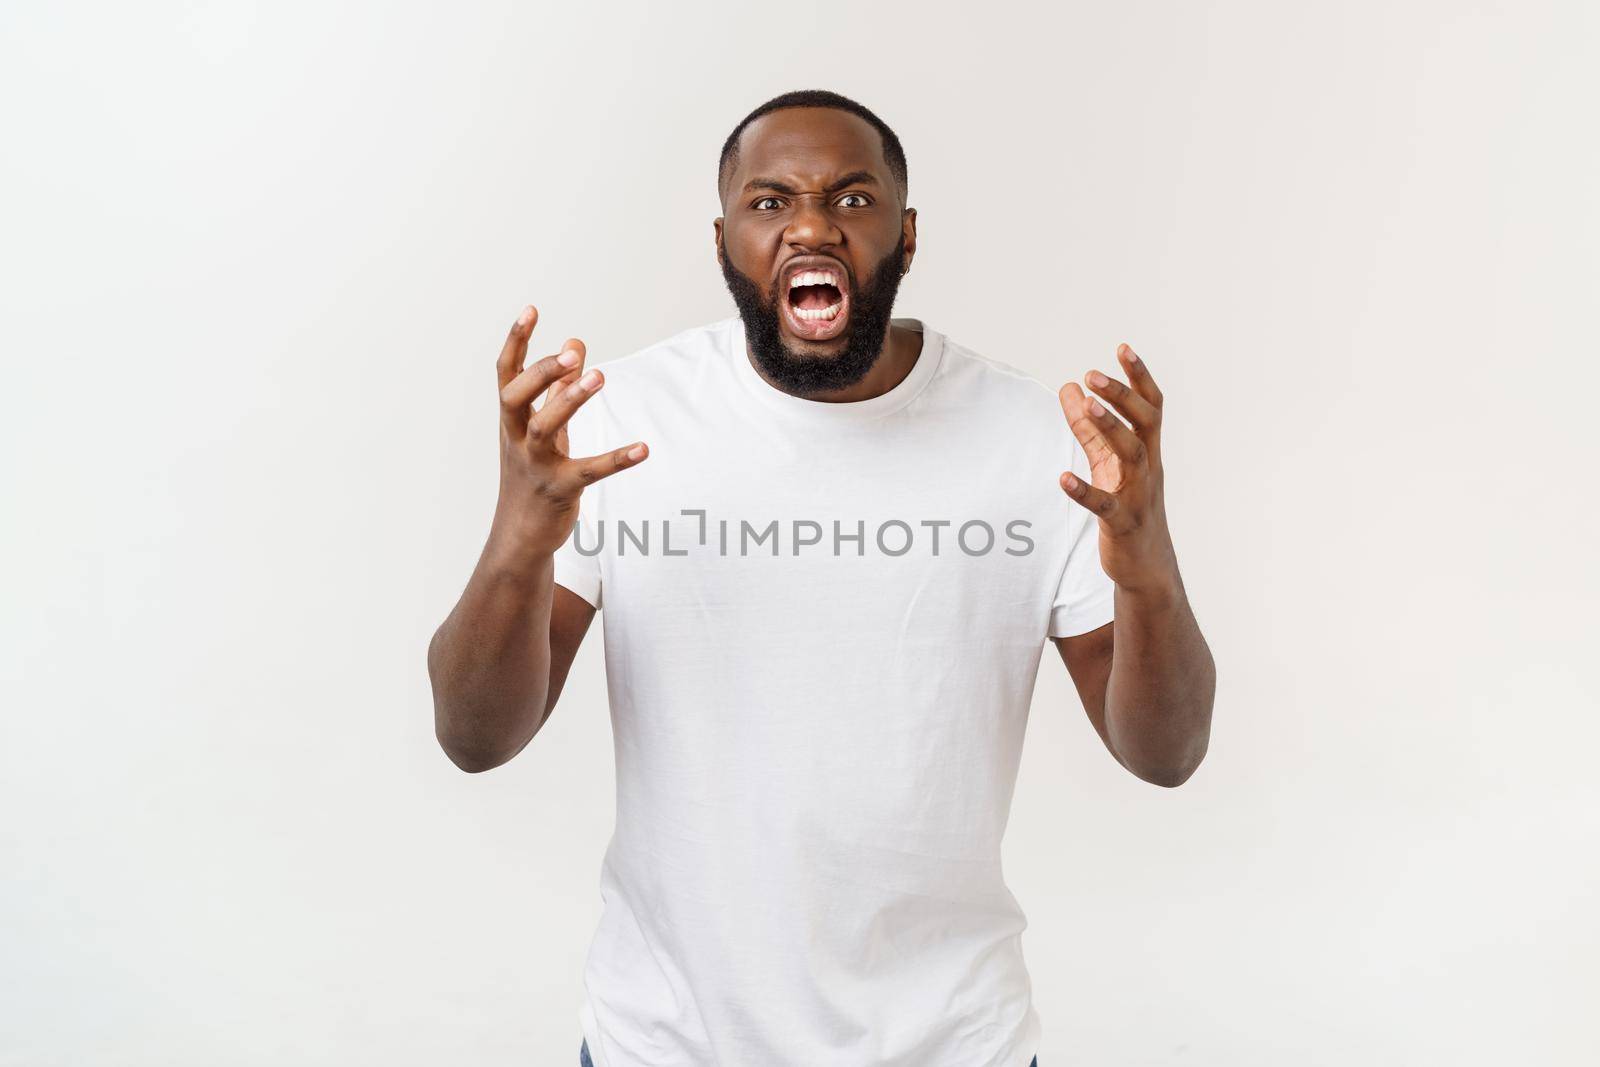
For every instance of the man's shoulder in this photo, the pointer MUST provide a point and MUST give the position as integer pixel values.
(986, 380)
(650, 384)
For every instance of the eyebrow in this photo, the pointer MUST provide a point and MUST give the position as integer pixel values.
(855, 177)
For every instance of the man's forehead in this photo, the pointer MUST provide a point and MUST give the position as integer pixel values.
(809, 144)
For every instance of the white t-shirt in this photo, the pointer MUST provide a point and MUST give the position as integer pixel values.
(822, 626)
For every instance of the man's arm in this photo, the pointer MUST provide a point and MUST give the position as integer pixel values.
(499, 660)
(1147, 678)
(1147, 681)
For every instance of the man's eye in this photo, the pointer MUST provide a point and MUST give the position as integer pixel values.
(767, 200)
(852, 196)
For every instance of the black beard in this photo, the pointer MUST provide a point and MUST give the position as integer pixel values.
(803, 375)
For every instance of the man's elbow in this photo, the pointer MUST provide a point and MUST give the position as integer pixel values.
(470, 744)
(473, 736)
(1169, 772)
(473, 759)
(1168, 777)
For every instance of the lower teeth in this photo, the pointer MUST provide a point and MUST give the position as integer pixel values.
(809, 315)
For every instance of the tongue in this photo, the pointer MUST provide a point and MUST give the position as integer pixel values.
(814, 297)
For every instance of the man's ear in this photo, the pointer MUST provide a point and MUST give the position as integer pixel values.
(716, 226)
(908, 235)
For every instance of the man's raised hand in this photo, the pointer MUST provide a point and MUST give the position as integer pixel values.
(539, 481)
(1128, 494)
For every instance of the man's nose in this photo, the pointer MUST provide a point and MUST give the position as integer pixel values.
(812, 226)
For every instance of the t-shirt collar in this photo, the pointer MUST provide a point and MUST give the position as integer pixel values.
(922, 371)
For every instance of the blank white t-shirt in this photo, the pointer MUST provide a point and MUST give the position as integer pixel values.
(822, 627)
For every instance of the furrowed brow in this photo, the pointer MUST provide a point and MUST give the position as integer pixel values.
(769, 183)
(855, 177)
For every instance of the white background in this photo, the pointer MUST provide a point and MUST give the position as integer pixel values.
(258, 261)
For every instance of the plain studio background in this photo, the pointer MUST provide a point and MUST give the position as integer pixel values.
(258, 262)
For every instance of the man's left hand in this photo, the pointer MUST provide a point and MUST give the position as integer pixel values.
(1125, 467)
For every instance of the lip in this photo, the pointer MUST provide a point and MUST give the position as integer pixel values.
(814, 329)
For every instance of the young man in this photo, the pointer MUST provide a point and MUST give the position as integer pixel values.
(826, 597)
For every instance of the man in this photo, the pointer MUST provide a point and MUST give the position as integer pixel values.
(826, 597)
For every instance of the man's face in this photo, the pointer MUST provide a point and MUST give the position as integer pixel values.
(811, 200)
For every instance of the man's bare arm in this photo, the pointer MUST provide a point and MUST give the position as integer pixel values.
(499, 660)
(1147, 679)
(1148, 682)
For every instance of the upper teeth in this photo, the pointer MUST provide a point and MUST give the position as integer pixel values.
(814, 277)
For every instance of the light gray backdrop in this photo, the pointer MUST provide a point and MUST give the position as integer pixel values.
(257, 263)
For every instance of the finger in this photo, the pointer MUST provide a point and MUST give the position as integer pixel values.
(1128, 446)
(571, 376)
(1084, 428)
(1144, 385)
(519, 394)
(555, 413)
(560, 384)
(1127, 403)
(1139, 376)
(516, 346)
(591, 469)
(1100, 502)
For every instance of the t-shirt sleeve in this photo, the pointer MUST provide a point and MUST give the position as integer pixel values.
(1086, 598)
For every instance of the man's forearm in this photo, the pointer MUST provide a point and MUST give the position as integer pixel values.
(1162, 684)
(490, 660)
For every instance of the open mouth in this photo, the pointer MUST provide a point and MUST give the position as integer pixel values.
(816, 305)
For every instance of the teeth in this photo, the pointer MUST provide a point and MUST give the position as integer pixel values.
(814, 277)
(829, 312)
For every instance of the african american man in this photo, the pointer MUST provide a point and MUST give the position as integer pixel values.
(826, 596)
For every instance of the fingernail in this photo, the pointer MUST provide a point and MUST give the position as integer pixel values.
(1072, 483)
(568, 357)
(636, 452)
(526, 316)
(589, 380)
(1095, 409)
(1098, 380)
(1133, 357)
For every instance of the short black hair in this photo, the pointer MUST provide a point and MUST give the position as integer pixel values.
(893, 154)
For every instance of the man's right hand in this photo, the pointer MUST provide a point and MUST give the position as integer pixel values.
(539, 481)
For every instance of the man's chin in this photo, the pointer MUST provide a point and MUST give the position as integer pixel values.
(802, 348)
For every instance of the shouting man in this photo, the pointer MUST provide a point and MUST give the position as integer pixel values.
(826, 596)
